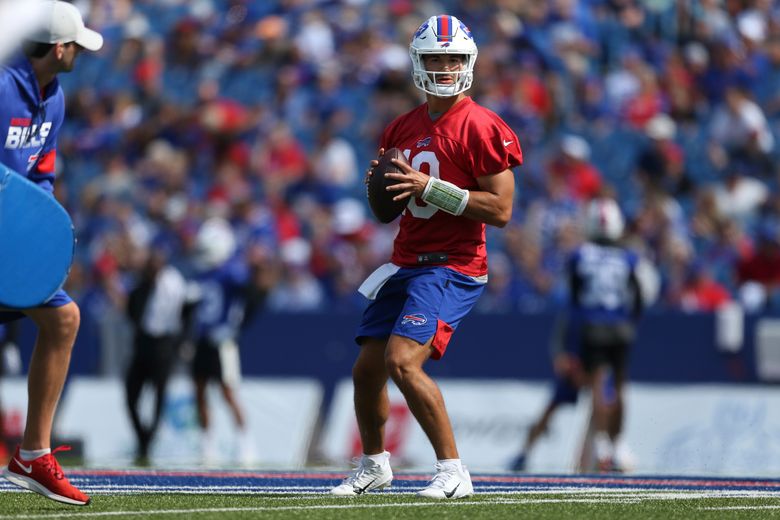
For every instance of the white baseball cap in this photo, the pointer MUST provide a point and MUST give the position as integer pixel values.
(661, 127)
(61, 22)
(576, 147)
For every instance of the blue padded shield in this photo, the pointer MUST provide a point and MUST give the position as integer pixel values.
(36, 242)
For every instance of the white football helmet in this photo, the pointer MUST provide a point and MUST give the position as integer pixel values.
(603, 220)
(215, 243)
(443, 34)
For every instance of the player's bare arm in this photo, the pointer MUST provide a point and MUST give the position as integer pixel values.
(492, 203)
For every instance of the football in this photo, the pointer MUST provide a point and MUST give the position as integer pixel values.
(380, 200)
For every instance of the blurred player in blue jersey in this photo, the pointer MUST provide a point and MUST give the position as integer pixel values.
(606, 300)
(593, 339)
(32, 109)
(226, 286)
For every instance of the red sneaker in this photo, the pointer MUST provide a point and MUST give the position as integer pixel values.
(44, 475)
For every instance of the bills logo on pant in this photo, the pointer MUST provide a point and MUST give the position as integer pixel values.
(414, 319)
(23, 134)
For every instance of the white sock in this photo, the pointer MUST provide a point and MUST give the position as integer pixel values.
(379, 458)
(604, 446)
(246, 443)
(207, 442)
(452, 463)
(34, 454)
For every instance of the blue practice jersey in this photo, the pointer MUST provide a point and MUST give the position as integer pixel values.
(220, 311)
(603, 283)
(29, 122)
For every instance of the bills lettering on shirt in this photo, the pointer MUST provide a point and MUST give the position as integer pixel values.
(466, 142)
(23, 134)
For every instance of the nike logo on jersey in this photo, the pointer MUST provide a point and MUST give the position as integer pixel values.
(27, 469)
(24, 135)
(507, 143)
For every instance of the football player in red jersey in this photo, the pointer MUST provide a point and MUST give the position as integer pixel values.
(458, 179)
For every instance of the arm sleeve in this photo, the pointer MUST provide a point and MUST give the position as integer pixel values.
(497, 149)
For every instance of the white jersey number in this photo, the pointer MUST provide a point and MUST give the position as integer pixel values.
(606, 281)
(421, 209)
(213, 300)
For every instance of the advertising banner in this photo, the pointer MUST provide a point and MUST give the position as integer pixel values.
(668, 429)
(280, 415)
(490, 420)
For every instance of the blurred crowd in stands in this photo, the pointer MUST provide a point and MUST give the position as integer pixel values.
(267, 114)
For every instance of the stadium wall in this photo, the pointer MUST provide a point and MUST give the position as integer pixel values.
(671, 348)
(693, 395)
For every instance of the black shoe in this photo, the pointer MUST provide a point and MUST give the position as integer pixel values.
(519, 463)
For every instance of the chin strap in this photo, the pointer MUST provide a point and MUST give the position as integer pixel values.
(445, 196)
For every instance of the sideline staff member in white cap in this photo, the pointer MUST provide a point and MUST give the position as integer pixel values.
(32, 108)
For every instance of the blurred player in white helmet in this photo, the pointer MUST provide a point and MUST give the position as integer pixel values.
(603, 227)
(606, 299)
(458, 179)
(224, 287)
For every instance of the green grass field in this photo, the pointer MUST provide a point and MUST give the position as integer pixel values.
(596, 504)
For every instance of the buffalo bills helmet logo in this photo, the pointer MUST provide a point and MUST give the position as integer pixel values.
(421, 30)
(465, 29)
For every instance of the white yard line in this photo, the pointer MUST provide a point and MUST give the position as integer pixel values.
(625, 498)
(351, 505)
(485, 491)
(737, 508)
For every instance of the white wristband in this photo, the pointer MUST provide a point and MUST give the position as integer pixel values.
(445, 196)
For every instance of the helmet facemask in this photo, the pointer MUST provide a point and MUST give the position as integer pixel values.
(443, 35)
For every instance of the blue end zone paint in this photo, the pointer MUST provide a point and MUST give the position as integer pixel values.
(139, 481)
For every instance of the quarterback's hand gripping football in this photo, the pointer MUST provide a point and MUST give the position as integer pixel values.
(431, 190)
(373, 164)
(411, 183)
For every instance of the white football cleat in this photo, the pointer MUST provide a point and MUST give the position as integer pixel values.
(367, 476)
(450, 481)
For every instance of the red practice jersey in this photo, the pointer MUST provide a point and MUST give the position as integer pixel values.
(466, 142)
